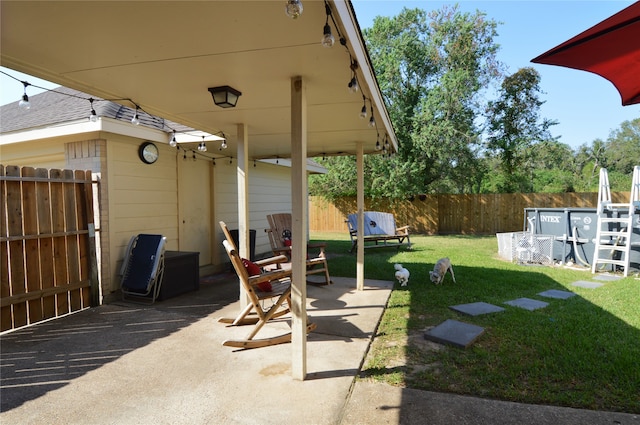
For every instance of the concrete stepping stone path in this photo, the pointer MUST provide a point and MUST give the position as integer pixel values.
(527, 303)
(453, 332)
(476, 309)
(587, 284)
(555, 293)
(462, 334)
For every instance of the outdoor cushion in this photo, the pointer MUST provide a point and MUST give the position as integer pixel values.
(254, 270)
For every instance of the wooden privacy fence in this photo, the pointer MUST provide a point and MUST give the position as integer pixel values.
(453, 214)
(47, 244)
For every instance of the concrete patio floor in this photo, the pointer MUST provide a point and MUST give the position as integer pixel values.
(123, 363)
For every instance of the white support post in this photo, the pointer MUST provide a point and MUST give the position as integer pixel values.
(360, 202)
(243, 201)
(299, 228)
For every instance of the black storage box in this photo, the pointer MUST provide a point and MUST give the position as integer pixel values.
(181, 273)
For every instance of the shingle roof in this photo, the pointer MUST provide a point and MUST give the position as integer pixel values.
(63, 104)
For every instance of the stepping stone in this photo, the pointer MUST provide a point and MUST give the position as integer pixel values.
(586, 284)
(454, 333)
(476, 309)
(527, 303)
(606, 277)
(555, 293)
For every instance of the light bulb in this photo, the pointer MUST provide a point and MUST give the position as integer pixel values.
(223, 145)
(173, 143)
(204, 147)
(363, 112)
(135, 120)
(372, 122)
(293, 9)
(378, 147)
(24, 103)
(353, 85)
(327, 38)
(93, 117)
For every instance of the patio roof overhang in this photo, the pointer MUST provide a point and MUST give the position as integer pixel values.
(164, 55)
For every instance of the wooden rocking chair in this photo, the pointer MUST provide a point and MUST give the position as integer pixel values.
(279, 233)
(278, 280)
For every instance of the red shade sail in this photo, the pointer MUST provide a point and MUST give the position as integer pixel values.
(610, 49)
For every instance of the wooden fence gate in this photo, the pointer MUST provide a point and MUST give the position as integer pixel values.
(47, 244)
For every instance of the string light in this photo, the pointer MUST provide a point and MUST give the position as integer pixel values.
(136, 120)
(327, 38)
(202, 147)
(223, 145)
(24, 103)
(173, 143)
(353, 86)
(293, 9)
(93, 117)
(353, 83)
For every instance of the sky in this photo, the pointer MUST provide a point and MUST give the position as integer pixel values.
(587, 106)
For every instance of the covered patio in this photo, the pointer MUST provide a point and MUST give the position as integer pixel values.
(297, 96)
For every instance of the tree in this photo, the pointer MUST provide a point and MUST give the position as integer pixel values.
(623, 147)
(619, 154)
(514, 127)
(432, 69)
(589, 160)
(553, 167)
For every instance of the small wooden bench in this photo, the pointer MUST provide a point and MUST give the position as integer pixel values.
(379, 231)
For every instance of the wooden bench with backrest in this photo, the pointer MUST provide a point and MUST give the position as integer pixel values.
(379, 231)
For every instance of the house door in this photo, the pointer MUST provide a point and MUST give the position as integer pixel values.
(194, 207)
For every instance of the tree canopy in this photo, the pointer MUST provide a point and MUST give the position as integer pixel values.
(463, 124)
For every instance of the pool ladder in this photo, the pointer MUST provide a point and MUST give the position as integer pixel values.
(615, 225)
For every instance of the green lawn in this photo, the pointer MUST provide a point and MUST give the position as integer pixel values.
(582, 352)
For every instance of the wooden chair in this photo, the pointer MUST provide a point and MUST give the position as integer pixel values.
(279, 233)
(254, 313)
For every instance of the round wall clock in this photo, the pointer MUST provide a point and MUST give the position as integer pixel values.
(148, 153)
